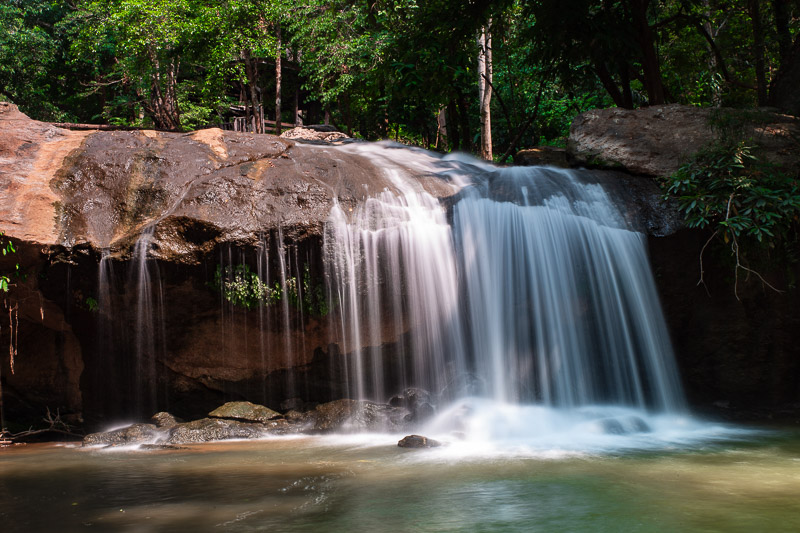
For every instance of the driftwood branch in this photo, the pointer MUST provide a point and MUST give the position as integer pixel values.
(55, 425)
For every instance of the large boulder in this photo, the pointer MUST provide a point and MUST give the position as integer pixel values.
(196, 190)
(657, 140)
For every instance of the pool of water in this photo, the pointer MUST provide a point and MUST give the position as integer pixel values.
(744, 481)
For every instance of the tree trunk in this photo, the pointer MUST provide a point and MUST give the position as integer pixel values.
(463, 115)
(783, 92)
(758, 50)
(650, 64)
(713, 64)
(610, 85)
(781, 8)
(441, 131)
(163, 104)
(252, 112)
(383, 121)
(278, 77)
(297, 119)
(451, 116)
(485, 89)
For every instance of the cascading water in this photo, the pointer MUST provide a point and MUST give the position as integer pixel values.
(149, 337)
(536, 292)
(559, 297)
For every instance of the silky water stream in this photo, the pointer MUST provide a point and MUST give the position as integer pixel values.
(527, 308)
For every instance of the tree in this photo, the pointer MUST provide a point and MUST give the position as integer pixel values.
(485, 88)
(145, 39)
(34, 70)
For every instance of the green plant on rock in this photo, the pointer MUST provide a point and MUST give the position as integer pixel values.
(244, 288)
(7, 248)
(311, 300)
(743, 199)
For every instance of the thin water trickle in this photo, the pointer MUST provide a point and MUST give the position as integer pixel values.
(149, 342)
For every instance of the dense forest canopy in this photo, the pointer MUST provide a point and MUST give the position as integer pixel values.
(474, 75)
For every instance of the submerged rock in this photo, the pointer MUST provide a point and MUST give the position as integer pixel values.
(463, 385)
(134, 434)
(410, 398)
(418, 441)
(625, 425)
(247, 411)
(159, 447)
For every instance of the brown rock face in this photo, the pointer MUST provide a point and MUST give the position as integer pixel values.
(101, 189)
(657, 140)
(742, 352)
(205, 198)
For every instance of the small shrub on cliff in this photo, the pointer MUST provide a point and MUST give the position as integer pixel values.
(744, 200)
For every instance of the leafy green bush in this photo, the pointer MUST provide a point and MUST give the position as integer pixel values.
(729, 189)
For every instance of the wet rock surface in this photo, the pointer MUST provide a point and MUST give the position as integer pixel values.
(165, 420)
(419, 403)
(353, 416)
(418, 441)
(213, 429)
(245, 411)
(134, 434)
(199, 189)
(339, 416)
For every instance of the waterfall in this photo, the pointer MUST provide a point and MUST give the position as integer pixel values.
(536, 290)
(393, 268)
(149, 337)
(560, 300)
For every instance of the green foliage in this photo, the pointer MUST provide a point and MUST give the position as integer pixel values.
(91, 304)
(312, 297)
(747, 203)
(383, 68)
(244, 288)
(6, 248)
(730, 190)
